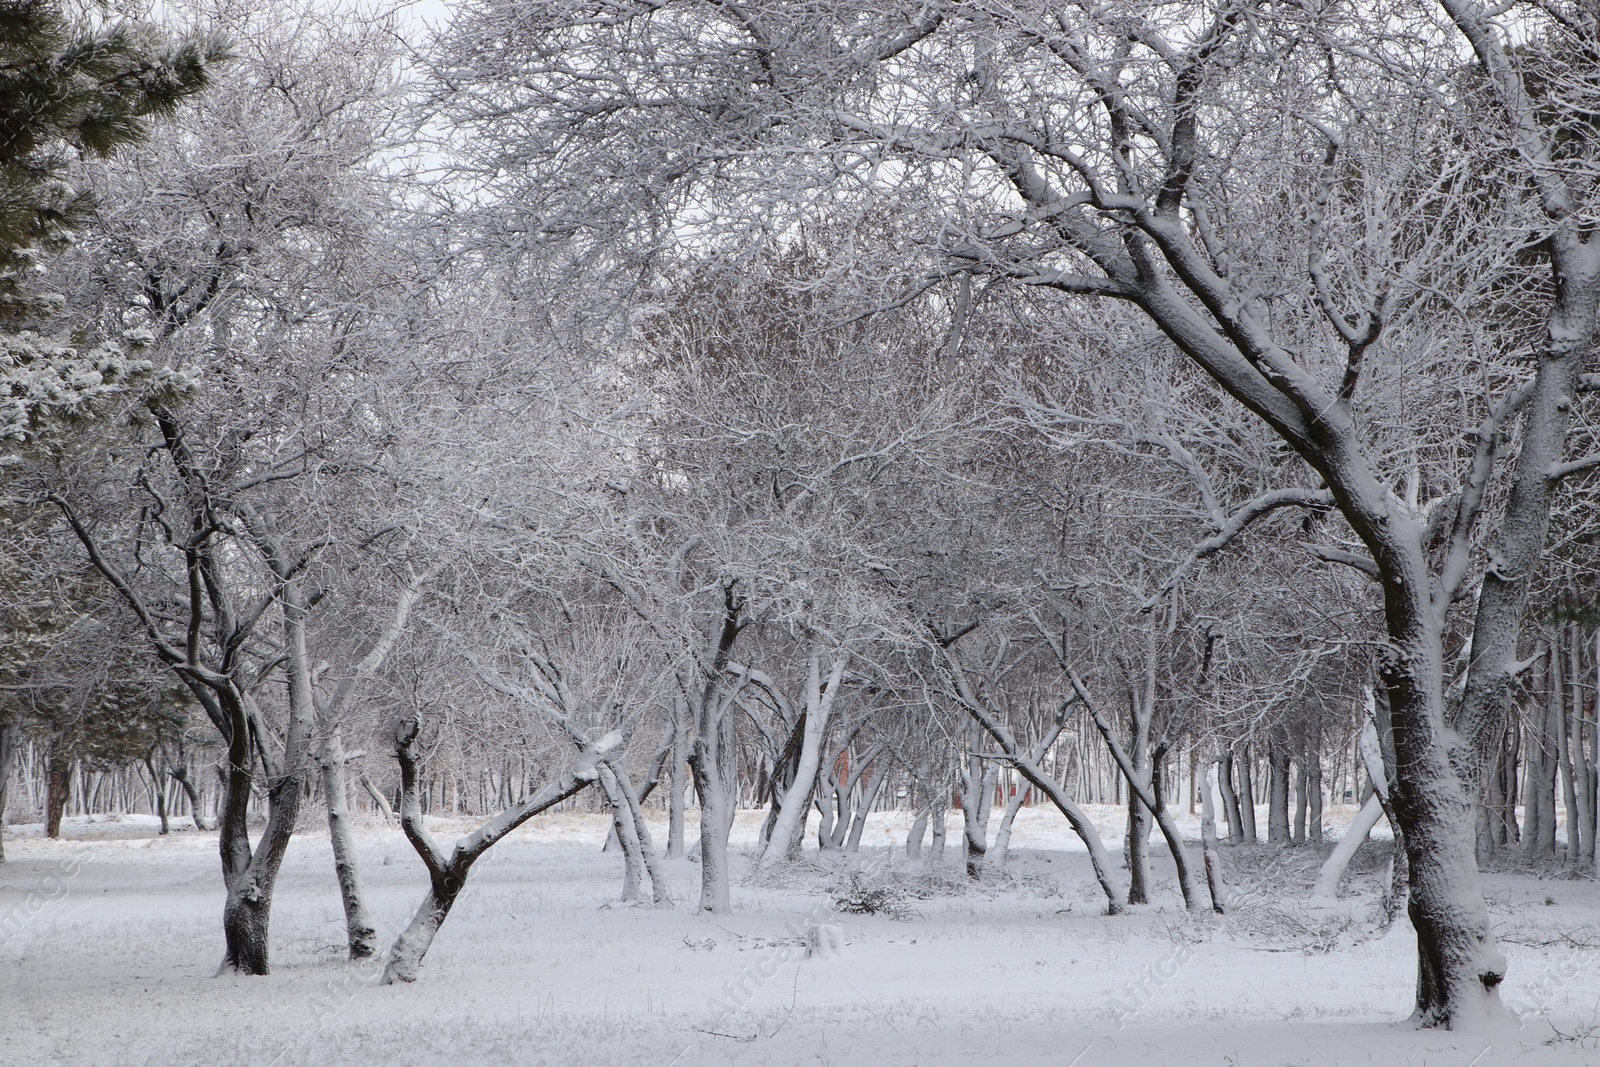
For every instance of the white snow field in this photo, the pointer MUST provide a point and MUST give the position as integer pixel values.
(109, 940)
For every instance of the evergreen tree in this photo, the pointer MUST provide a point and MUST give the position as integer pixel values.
(70, 87)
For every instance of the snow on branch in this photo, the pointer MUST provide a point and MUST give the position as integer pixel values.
(1237, 523)
(1578, 466)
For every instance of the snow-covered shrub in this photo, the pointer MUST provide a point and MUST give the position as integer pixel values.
(858, 897)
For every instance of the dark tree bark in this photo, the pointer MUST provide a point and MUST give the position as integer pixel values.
(1278, 791)
(58, 789)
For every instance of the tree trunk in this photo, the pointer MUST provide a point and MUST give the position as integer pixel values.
(180, 774)
(919, 830)
(447, 875)
(159, 787)
(679, 783)
(869, 795)
(706, 762)
(1314, 784)
(1136, 850)
(625, 834)
(1540, 837)
(839, 811)
(1136, 846)
(1028, 766)
(1169, 829)
(1230, 799)
(977, 801)
(1002, 838)
(1564, 753)
(713, 762)
(405, 957)
(936, 845)
(1507, 830)
(1211, 854)
(360, 932)
(1297, 831)
(57, 792)
(822, 797)
(660, 889)
(1458, 983)
(1278, 791)
(1333, 868)
(1247, 797)
(819, 705)
(10, 743)
(1397, 890)
(1584, 769)
(251, 873)
(714, 895)
(379, 801)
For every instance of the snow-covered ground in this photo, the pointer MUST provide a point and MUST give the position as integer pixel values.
(109, 940)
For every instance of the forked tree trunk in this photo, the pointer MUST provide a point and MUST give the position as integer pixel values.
(1230, 799)
(660, 889)
(629, 829)
(1247, 797)
(251, 874)
(819, 699)
(977, 801)
(447, 874)
(1027, 764)
(625, 833)
(1151, 799)
(839, 812)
